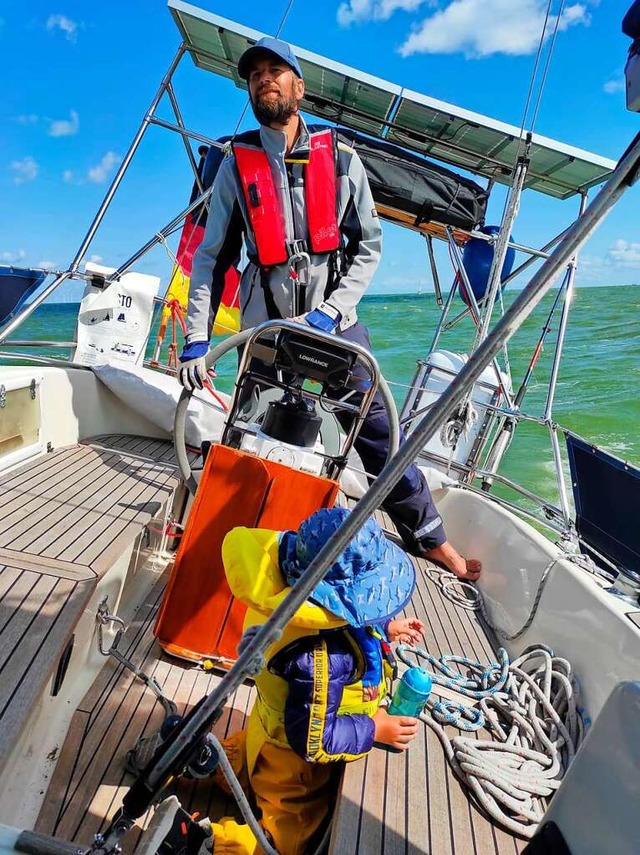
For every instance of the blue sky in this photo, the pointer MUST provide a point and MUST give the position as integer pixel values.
(79, 76)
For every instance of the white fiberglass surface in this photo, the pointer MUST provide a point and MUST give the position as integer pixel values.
(575, 617)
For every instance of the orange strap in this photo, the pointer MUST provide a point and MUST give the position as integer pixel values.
(177, 317)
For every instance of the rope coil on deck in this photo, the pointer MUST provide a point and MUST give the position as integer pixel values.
(463, 594)
(532, 708)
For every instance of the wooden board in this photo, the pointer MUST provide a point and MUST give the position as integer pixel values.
(66, 517)
(38, 612)
(90, 778)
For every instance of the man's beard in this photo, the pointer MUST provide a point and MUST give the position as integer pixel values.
(274, 111)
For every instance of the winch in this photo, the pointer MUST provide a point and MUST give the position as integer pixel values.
(627, 586)
(289, 434)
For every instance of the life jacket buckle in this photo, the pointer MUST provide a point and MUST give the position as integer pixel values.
(299, 261)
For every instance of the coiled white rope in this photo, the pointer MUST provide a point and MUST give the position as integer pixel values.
(463, 594)
(531, 708)
(459, 424)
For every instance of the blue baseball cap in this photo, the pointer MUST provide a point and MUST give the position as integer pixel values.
(370, 582)
(281, 49)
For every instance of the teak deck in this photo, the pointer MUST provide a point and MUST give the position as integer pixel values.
(406, 803)
(66, 518)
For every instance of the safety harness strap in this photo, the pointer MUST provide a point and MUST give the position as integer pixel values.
(272, 310)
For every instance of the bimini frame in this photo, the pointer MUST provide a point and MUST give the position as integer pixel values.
(498, 152)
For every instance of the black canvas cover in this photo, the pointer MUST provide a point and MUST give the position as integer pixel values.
(410, 189)
(17, 284)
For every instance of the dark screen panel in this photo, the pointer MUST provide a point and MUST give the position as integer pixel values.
(606, 492)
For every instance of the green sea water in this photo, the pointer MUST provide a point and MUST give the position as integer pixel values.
(598, 393)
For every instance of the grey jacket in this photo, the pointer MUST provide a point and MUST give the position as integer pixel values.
(228, 222)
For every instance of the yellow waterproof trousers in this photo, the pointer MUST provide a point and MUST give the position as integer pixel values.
(295, 799)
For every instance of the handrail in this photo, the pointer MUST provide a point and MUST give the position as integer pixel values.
(51, 361)
(38, 343)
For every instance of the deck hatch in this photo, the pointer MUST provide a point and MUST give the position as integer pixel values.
(20, 420)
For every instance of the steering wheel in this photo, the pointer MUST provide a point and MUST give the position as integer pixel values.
(216, 353)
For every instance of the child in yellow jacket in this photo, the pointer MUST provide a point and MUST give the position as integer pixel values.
(318, 698)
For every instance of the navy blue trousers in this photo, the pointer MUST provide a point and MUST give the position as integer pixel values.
(409, 504)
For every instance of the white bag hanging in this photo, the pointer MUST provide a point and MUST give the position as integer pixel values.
(114, 322)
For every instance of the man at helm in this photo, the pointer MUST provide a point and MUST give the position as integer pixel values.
(302, 203)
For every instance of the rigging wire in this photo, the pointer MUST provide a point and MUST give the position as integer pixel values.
(533, 80)
(547, 64)
(534, 73)
(538, 99)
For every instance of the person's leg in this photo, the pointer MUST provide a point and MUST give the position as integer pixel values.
(251, 388)
(296, 798)
(410, 504)
(175, 832)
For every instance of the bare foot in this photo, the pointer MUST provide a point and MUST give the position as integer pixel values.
(467, 569)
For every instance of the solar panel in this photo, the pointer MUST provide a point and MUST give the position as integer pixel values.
(491, 148)
(351, 98)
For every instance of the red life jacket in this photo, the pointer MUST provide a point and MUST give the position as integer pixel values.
(263, 202)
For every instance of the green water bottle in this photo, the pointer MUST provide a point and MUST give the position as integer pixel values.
(412, 693)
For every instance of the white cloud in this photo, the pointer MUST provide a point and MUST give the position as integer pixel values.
(613, 86)
(57, 127)
(46, 265)
(24, 170)
(480, 28)
(591, 262)
(11, 257)
(357, 11)
(95, 259)
(67, 176)
(99, 174)
(64, 127)
(624, 254)
(605, 269)
(27, 119)
(66, 25)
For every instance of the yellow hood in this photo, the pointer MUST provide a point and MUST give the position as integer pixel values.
(250, 558)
